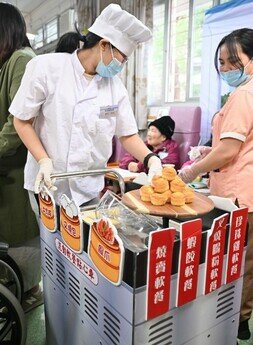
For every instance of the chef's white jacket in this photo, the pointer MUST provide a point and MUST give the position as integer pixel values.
(71, 119)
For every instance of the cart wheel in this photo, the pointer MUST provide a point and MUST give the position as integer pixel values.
(12, 277)
(12, 319)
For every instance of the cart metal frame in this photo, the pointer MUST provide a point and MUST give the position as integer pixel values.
(79, 312)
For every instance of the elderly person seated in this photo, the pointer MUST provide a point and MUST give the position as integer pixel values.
(159, 142)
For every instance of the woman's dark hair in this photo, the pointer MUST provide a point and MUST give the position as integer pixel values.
(90, 40)
(26, 43)
(68, 43)
(241, 37)
(12, 31)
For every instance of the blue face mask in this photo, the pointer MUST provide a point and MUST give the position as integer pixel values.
(110, 70)
(235, 77)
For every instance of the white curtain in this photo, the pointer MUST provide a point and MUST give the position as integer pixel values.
(134, 75)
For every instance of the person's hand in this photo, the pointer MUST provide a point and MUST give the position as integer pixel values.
(45, 170)
(155, 167)
(133, 167)
(189, 173)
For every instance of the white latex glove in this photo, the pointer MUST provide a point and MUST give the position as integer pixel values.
(189, 173)
(194, 153)
(45, 170)
(155, 167)
(199, 152)
(204, 151)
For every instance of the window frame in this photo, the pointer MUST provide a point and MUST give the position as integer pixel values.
(42, 41)
(168, 51)
(46, 37)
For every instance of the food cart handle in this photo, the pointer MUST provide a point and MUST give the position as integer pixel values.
(92, 173)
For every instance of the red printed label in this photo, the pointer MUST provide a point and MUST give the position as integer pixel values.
(81, 265)
(190, 235)
(215, 253)
(238, 225)
(161, 245)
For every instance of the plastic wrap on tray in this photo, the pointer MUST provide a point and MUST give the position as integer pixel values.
(133, 228)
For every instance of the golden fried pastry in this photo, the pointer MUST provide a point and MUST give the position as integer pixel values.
(177, 185)
(145, 192)
(160, 184)
(169, 173)
(168, 195)
(189, 195)
(158, 199)
(177, 199)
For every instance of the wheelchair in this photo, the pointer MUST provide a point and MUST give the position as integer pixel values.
(12, 318)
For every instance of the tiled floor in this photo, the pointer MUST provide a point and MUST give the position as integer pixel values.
(36, 334)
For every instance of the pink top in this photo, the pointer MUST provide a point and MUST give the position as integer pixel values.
(168, 152)
(235, 120)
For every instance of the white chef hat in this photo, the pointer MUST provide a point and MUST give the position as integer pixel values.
(123, 30)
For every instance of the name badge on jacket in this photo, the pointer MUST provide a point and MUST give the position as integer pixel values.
(109, 110)
(162, 155)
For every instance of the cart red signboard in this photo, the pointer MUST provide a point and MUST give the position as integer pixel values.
(190, 236)
(238, 224)
(214, 254)
(161, 245)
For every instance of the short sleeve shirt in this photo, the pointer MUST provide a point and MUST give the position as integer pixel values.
(235, 120)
